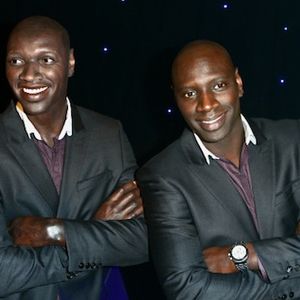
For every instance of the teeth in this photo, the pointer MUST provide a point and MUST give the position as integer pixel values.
(211, 121)
(34, 91)
(208, 122)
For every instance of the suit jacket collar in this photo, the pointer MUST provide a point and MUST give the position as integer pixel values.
(27, 155)
(75, 153)
(14, 128)
(261, 162)
(191, 149)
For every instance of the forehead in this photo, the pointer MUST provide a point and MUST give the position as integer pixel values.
(203, 63)
(33, 39)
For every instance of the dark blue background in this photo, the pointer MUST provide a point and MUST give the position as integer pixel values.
(131, 80)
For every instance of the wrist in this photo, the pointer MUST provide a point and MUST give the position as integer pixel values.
(55, 231)
(238, 254)
(252, 257)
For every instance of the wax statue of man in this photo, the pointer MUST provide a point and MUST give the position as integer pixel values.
(66, 177)
(222, 202)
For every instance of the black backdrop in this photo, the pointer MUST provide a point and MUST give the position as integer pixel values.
(130, 81)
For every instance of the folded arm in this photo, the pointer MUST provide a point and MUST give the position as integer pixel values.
(23, 268)
(176, 251)
(275, 252)
(34, 231)
(117, 231)
(217, 259)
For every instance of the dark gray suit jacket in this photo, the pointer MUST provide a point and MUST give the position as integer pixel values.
(190, 205)
(98, 158)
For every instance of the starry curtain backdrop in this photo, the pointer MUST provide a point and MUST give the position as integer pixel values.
(124, 49)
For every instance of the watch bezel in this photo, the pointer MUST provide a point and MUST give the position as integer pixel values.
(239, 262)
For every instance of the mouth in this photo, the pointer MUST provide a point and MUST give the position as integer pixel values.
(212, 120)
(213, 123)
(34, 91)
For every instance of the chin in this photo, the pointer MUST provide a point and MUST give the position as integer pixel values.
(213, 137)
(33, 109)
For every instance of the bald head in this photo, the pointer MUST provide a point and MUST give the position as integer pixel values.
(201, 50)
(207, 88)
(35, 25)
(39, 62)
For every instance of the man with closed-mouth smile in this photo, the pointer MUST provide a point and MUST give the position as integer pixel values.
(222, 202)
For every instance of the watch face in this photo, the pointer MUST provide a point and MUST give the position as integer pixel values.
(239, 252)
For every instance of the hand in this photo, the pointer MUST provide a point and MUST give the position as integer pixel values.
(218, 261)
(124, 203)
(37, 231)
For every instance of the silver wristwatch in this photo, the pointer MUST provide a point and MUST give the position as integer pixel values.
(238, 253)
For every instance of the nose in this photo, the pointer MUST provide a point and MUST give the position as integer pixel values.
(30, 72)
(206, 102)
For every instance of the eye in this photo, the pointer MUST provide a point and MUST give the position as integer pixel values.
(220, 86)
(190, 94)
(47, 60)
(16, 61)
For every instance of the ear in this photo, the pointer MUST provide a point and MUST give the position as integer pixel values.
(239, 82)
(71, 63)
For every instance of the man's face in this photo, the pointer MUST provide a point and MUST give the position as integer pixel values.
(37, 68)
(207, 91)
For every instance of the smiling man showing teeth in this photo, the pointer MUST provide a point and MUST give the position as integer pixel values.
(222, 203)
(66, 178)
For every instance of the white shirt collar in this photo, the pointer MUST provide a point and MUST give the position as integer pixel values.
(249, 137)
(30, 129)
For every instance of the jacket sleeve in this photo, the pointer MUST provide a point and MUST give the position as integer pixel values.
(280, 257)
(23, 268)
(177, 251)
(91, 244)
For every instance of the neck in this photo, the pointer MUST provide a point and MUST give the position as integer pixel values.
(230, 148)
(49, 125)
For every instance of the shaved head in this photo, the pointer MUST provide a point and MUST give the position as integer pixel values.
(39, 62)
(207, 88)
(201, 49)
(34, 25)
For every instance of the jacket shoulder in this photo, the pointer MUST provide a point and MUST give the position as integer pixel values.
(284, 130)
(168, 161)
(94, 120)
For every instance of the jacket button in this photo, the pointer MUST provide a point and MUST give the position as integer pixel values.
(88, 265)
(70, 275)
(94, 265)
(291, 294)
(81, 265)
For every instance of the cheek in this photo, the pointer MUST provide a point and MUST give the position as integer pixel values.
(230, 99)
(12, 80)
(11, 75)
(186, 108)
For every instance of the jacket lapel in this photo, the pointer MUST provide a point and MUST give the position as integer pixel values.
(214, 179)
(75, 152)
(261, 162)
(26, 154)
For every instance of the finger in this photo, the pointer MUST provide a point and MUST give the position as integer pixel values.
(133, 208)
(135, 213)
(129, 210)
(123, 203)
(123, 199)
(129, 186)
(138, 212)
